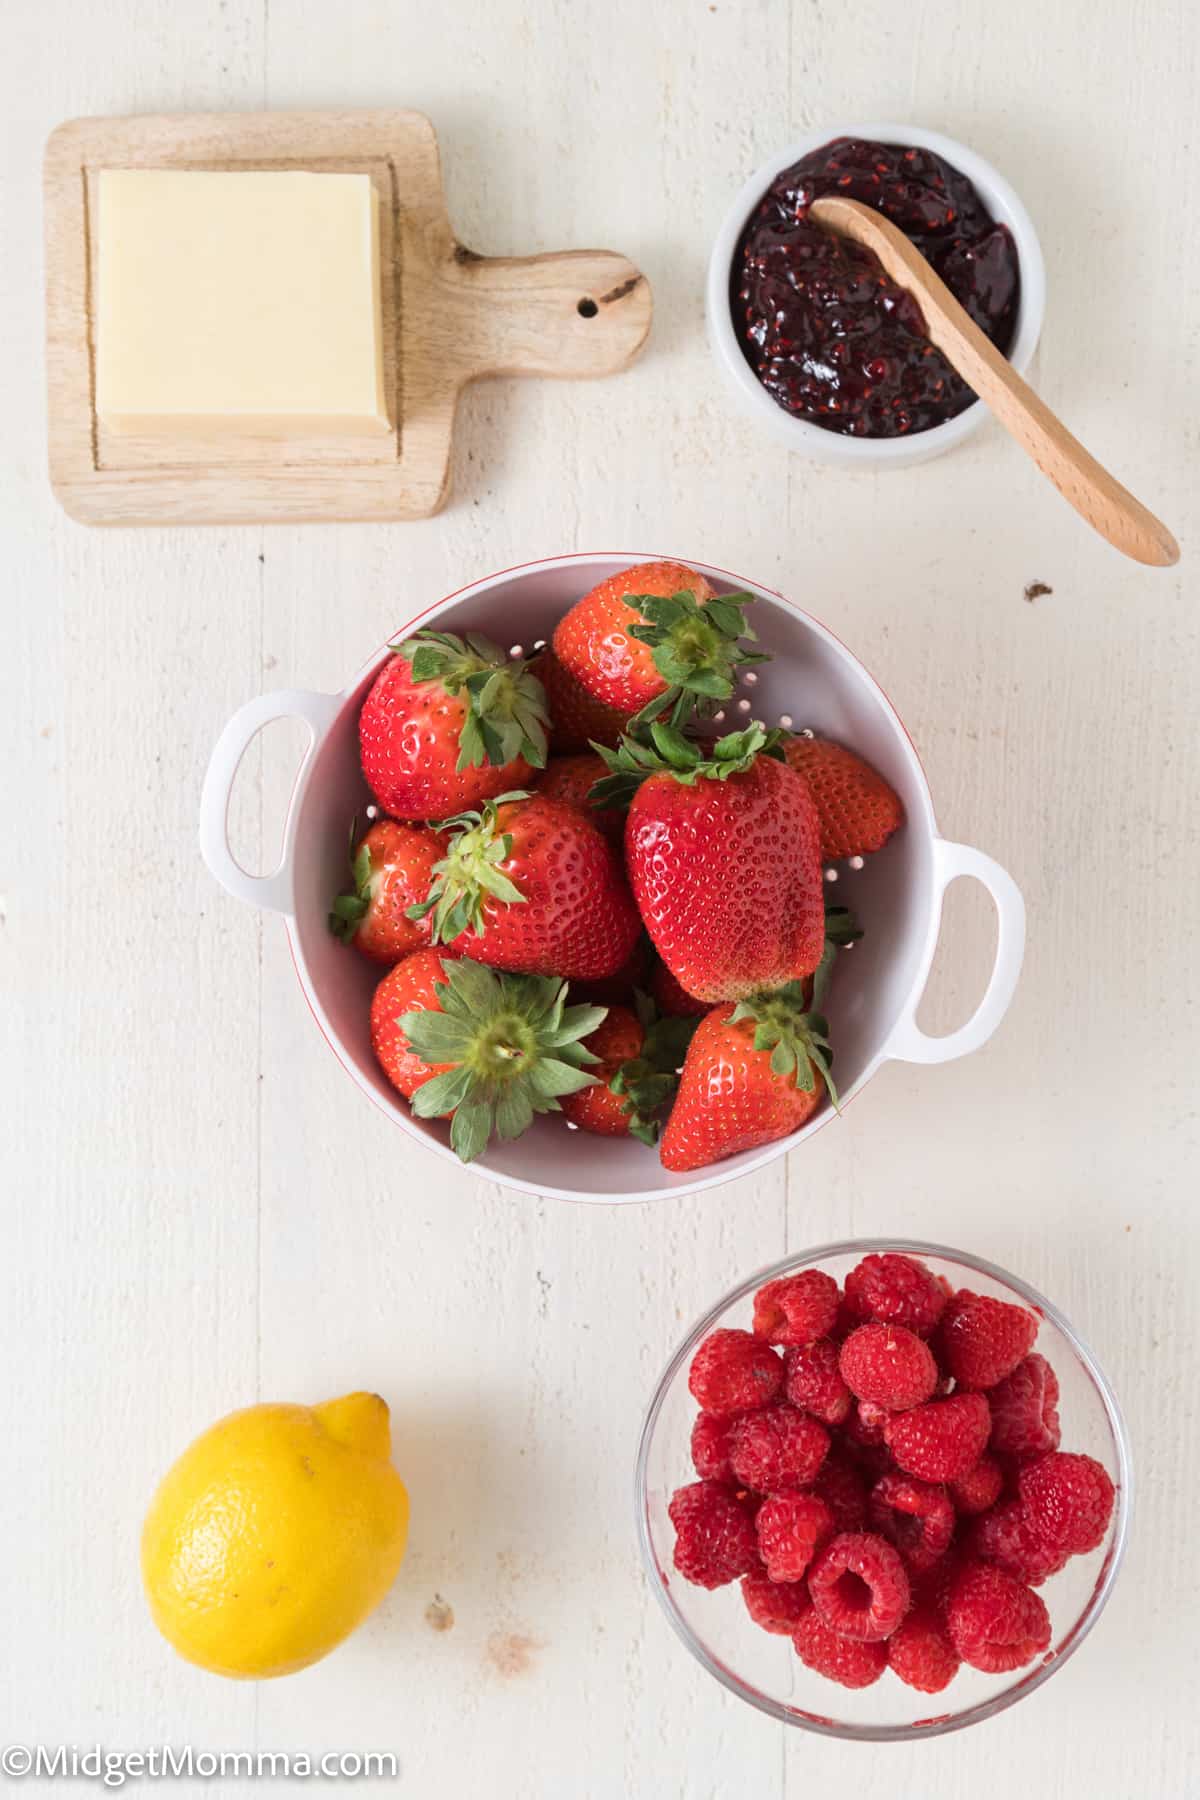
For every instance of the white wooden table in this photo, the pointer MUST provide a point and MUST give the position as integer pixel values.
(199, 1209)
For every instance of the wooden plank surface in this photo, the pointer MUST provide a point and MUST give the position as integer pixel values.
(200, 1208)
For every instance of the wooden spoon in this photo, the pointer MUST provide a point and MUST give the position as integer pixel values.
(1095, 494)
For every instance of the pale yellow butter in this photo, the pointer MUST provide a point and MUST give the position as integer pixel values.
(244, 302)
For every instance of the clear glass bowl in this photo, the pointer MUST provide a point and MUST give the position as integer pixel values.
(764, 1669)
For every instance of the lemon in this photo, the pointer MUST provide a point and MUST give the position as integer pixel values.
(275, 1534)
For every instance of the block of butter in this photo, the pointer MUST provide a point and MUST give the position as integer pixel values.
(244, 302)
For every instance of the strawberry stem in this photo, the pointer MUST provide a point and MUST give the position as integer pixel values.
(507, 715)
(513, 1046)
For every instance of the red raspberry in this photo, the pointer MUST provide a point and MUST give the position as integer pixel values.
(790, 1526)
(941, 1440)
(919, 1651)
(981, 1340)
(848, 1661)
(897, 1289)
(995, 1622)
(979, 1488)
(889, 1365)
(732, 1371)
(841, 1487)
(1006, 1536)
(710, 1447)
(813, 1383)
(915, 1516)
(1025, 1410)
(859, 1586)
(864, 1427)
(778, 1448)
(777, 1606)
(796, 1309)
(1068, 1499)
(933, 1588)
(714, 1536)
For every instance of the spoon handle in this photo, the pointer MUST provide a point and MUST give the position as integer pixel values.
(1096, 495)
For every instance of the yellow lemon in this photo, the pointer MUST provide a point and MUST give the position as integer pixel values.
(274, 1535)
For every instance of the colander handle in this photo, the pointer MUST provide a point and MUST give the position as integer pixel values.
(272, 891)
(908, 1042)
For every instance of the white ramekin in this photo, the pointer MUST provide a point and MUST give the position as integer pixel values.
(815, 681)
(830, 446)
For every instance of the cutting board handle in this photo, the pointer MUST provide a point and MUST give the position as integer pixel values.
(573, 314)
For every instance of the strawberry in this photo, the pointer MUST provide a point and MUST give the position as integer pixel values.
(409, 988)
(654, 637)
(857, 809)
(754, 1072)
(392, 867)
(488, 1051)
(450, 722)
(530, 884)
(572, 778)
(723, 855)
(617, 1040)
(619, 989)
(578, 720)
(640, 1055)
(671, 997)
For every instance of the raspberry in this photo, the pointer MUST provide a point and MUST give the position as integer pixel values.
(710, 1447)
(898, 1290)
(981, 1340)
(813, 1383)
(777, 1606)
(732, 1371)
(941, 1440)
(995, 1622)
(1025, 1410)
(889, 1365)
(790, 1526)
(841, 1487)
(1007, 1537)
(919, 1651)
(1068, 1499)
(865, 1425)
(979, 1488)
(778, 1448)
(859, 1586)
(796, 1309)
(917, 1518)
(714, 1536)
(849, 1662)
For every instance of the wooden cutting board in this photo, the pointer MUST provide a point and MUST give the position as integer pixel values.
(449, 317)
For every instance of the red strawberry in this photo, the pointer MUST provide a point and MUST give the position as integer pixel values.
(754, 1073)
(572, 778)
(672, 998)
(486, 1050)
(601, 643)
(857, 809)
(449, 723)
(409, 988)
(392, 869)
(640, 1055)
(578, 720)
(618, 1039)
(529, 884)
(724, 857)
(619, 989)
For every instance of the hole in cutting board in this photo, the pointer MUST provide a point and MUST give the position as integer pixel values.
(963, 959)
(587, 308)
(262, 789)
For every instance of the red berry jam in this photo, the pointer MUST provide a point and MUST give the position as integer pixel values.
(829, 334)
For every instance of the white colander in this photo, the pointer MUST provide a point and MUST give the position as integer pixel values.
(814, 681)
